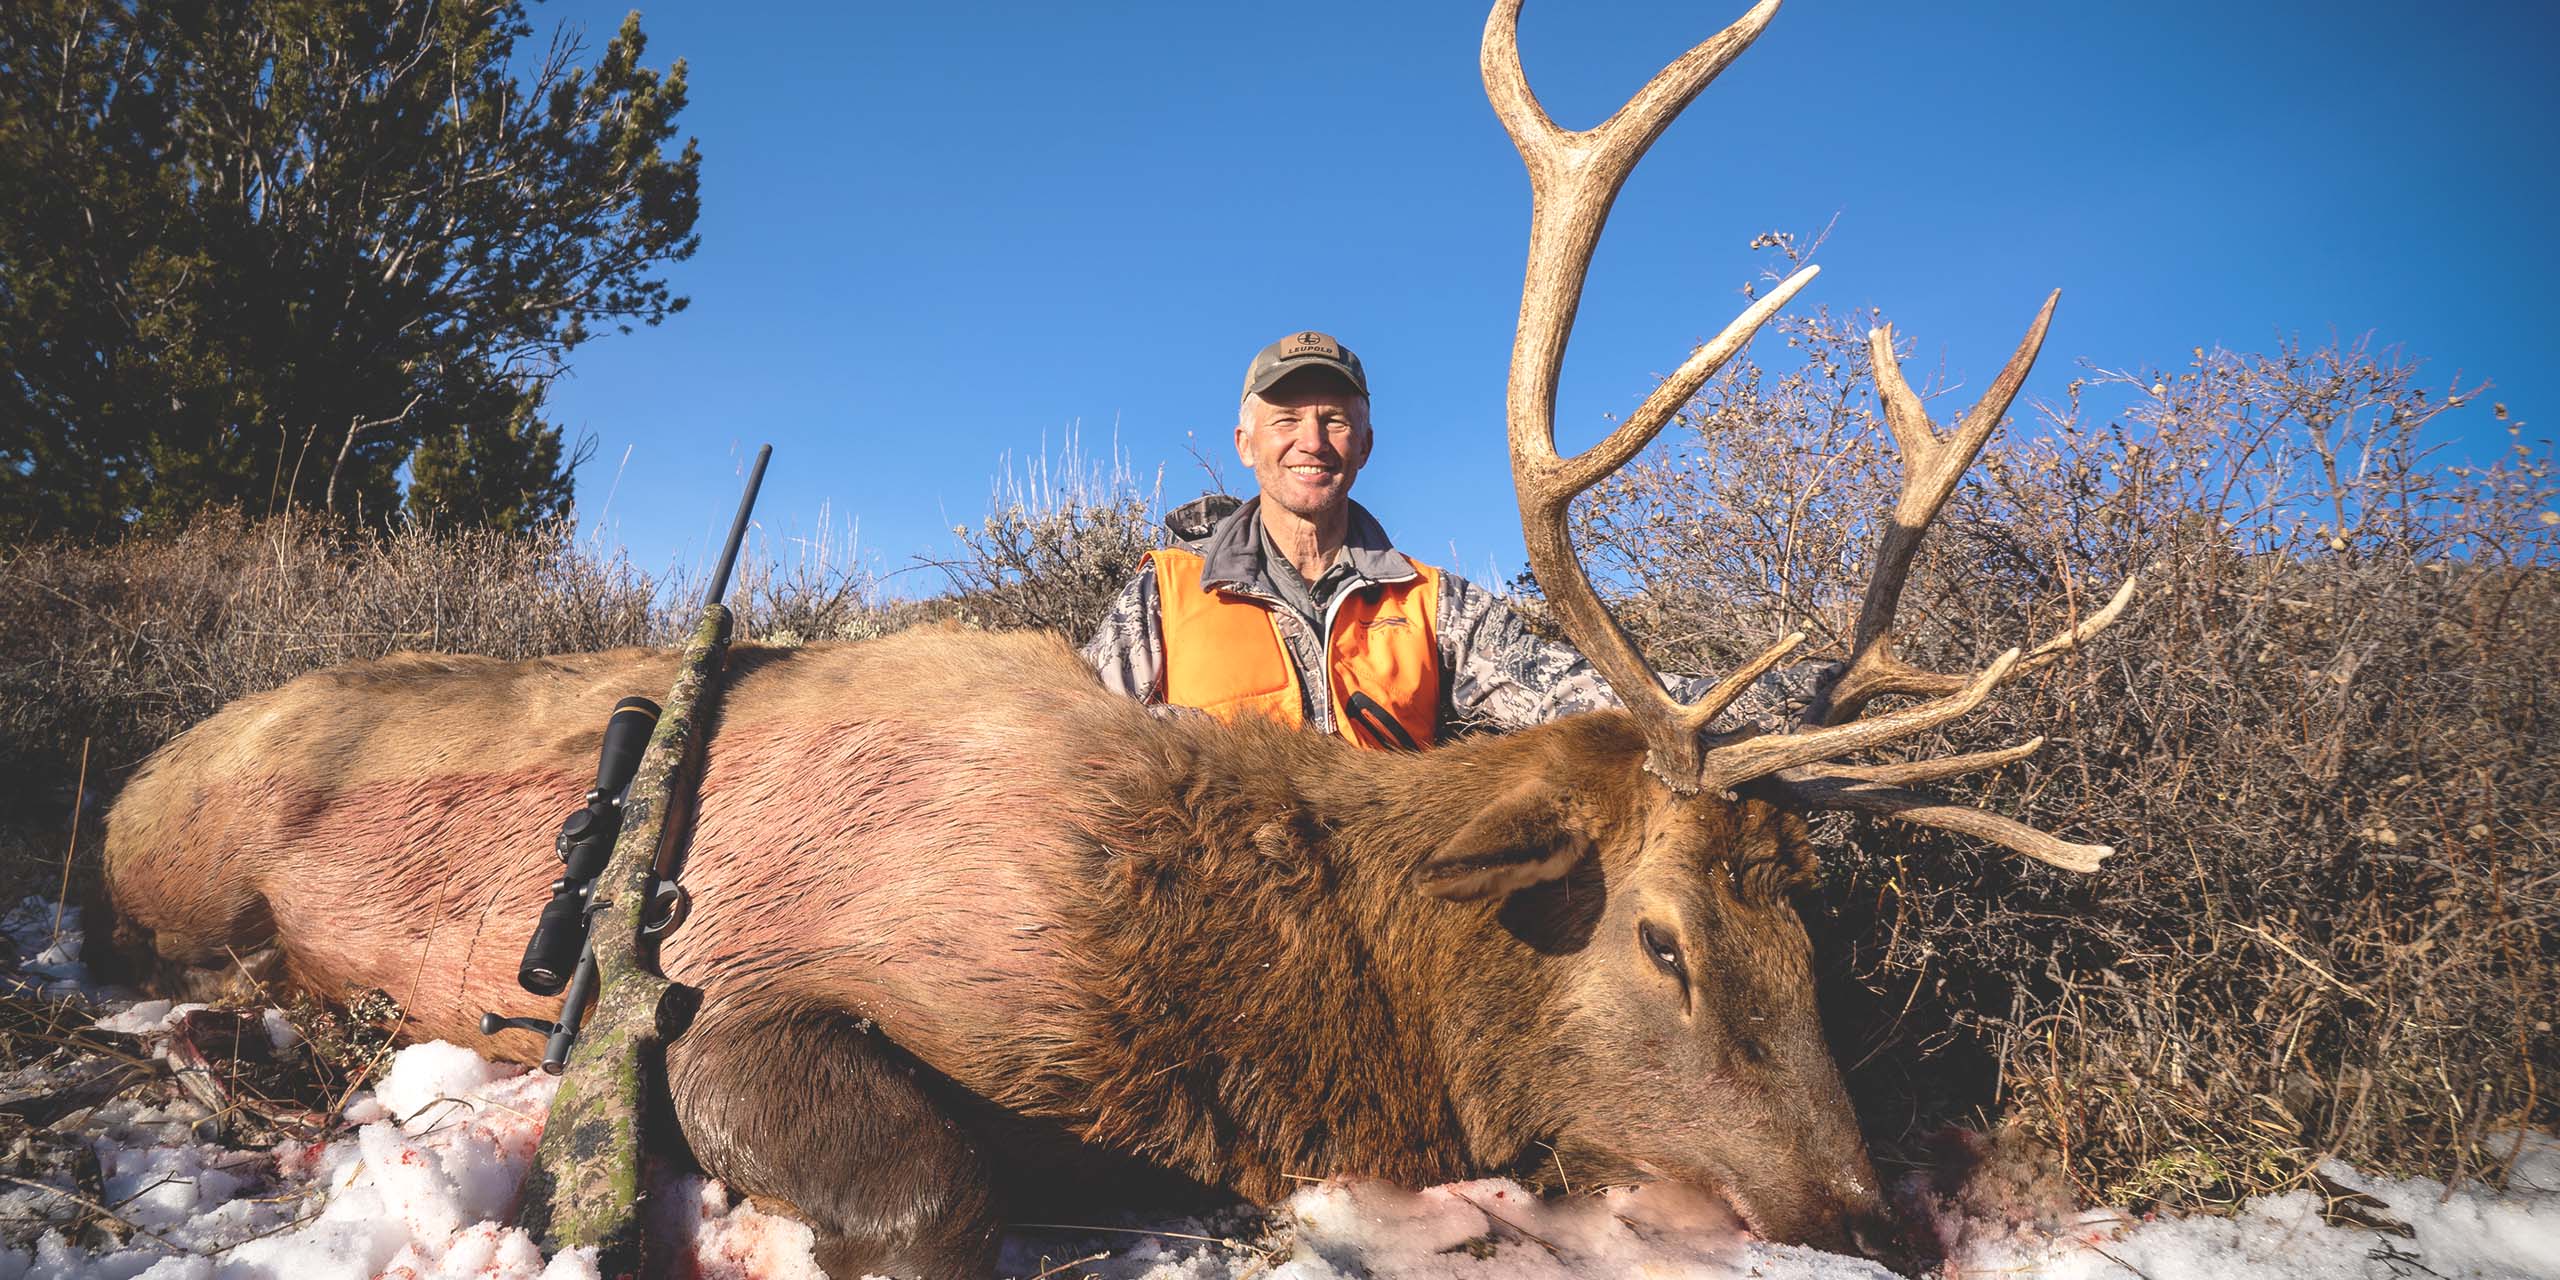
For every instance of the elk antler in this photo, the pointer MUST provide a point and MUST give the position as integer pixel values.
(1573, 178)
(1932, 465)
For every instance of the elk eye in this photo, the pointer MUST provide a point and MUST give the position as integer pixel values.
(1665, 952)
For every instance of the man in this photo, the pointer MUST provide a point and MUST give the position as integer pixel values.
(1296, 606)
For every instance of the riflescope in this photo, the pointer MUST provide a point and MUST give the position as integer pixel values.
(585, 844)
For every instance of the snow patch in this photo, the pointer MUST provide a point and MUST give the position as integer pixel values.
(47, 940)
(425, 1185)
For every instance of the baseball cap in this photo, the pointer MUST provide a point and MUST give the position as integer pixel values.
(1306, 349)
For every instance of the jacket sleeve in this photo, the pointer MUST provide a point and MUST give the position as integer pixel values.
(1496, 671)
(1127, 650)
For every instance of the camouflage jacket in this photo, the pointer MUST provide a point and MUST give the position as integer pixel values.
(1494, 671)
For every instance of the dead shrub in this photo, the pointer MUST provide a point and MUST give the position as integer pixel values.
(2323, 742)
(1059, 541)
(800, 588)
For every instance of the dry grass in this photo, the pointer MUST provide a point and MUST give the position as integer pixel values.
(123, 646)
(2323, 741)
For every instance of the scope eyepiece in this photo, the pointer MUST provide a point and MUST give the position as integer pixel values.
(557, 938)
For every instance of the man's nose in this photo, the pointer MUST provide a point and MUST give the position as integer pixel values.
(1310, 438)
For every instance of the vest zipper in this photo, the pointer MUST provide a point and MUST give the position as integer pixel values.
(1332, 610)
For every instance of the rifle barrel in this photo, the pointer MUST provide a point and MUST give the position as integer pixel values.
(737, 531)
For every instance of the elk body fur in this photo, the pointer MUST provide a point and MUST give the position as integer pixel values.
(1099, 940)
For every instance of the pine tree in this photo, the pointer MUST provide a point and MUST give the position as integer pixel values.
(269, 252)
(504, 474)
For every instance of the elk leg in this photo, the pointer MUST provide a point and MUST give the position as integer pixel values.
(814, 1108)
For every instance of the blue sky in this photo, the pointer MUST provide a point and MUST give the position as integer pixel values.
(936, 235)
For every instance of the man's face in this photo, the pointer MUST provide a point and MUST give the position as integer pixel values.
(1305, 440)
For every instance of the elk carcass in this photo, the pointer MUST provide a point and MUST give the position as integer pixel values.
(968, 930)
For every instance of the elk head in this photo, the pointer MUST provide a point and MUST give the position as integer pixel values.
(1697, 970)
(1646, 987)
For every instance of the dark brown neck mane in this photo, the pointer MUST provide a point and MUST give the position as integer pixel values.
(1253, 924)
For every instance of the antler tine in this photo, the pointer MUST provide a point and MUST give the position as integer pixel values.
(1904, 773)
(1593, 465)
(2074, 637)
(1506, 85)
(1932, 466)
(1804, 790)
(1731, 764)
(1697, 716)
(1903, 678)
(1574, 178)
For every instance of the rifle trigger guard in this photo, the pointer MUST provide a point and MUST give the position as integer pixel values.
(668, 905)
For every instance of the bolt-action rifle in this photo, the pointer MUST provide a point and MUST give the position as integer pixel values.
(617, 1009)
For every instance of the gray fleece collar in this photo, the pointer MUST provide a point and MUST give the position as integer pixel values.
(1231, 556)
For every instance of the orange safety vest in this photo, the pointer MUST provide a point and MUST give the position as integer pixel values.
(1223, 652)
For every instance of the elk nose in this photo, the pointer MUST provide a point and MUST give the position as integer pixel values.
(1883, 1240)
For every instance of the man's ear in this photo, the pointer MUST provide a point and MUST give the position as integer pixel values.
(1523, 839)
(1244, 434)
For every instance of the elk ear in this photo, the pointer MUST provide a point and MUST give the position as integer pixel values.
(1522, 839)
(1776, 851)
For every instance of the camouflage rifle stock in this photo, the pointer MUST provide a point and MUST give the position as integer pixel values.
(585, 1187)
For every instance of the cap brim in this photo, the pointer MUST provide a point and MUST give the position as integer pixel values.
(1272, 376)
